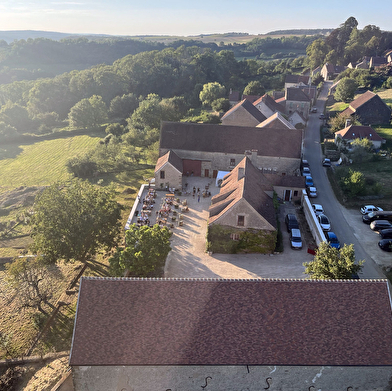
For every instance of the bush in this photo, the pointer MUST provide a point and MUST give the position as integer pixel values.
(82, 166)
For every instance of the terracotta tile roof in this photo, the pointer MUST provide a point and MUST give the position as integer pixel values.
(230, 139)
(281, 100)
(347, 112)
(248, 106)
(365, 97)
(296, 94)
(250, 98)
(234, 96)
(232, 322)
(172, 158)
(310, 91)
(297, 79)
(286, 180)
(250, 187)
(276, 121)
(355, 131)
(270, 103)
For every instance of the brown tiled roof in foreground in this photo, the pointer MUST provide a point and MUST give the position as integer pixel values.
(232, 322)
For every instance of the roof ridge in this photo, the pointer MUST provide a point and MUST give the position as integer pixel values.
(236, 279)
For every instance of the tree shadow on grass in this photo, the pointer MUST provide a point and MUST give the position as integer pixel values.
(97, 268)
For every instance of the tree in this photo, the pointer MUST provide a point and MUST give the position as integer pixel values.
(345, 90)
(221, 104)
(115, 129)
(123, 106)
(16, 116)
(339, 122)
(32, 281)
(88, 113)
(331, 263)
(74, 221)
(354, 183)
(254, 88)
(211, 92)
(362, 149)
(144, 254)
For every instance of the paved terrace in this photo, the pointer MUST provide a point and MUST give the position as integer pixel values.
(188, 258)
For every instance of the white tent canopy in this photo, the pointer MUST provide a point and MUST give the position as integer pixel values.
(220, 177)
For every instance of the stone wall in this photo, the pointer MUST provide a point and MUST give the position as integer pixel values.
(230, 378)
(172, 179)
(312, 220)
(222, 161)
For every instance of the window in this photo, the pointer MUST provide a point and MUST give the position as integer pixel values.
(241, 220)
(232, 162)
(235, 237)
(162, 173)
(295, 193)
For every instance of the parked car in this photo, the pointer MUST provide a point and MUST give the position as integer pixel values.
(321, 116)
(309, 181)
(386, 233)
(379, 215)
(291, 222)
(312, 191)
(378, 225)
(370, 208)
(318, 209)
(295, 239)
(314, 110)
(324, 222)
(304, 163)
(332, 239)
(306, 171)
(327, 162)
(385, 244)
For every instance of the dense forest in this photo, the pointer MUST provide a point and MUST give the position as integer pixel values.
(347, 44)
(127, 87)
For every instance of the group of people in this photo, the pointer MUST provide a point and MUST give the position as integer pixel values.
(143, 218)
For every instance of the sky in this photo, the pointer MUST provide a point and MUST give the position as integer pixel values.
(185, 18)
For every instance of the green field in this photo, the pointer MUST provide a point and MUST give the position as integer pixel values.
(41, 163)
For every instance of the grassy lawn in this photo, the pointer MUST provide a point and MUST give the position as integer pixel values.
(385, 132)
(37, 164)
(386, 95)
(41, 163)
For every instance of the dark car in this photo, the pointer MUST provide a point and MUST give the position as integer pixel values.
(378, 225)
(304, 163)
(385, 244)
(379, 215)
(291, 222)
(321, 116)
(332, 239)
(327, 162)
(386, 233)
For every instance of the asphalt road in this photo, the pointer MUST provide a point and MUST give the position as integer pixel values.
(326, 196)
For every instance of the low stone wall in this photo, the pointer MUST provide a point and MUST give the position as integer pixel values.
(311, 219)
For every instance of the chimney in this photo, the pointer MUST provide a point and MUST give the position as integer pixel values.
(253, 158)
(348, 122)
(241, 172)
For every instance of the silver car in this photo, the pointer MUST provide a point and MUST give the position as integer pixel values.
(324, 222)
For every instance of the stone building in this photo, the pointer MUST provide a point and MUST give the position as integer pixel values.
(206, 149)
(243, 114)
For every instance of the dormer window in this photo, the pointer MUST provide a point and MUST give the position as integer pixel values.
(240, 220)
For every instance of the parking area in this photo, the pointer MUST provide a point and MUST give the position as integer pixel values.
(368, 238)
(188, 258)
